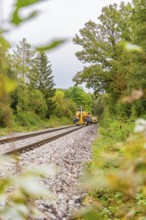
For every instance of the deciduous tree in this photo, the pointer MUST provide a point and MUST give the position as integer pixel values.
(101, 49)
(80, 97)
(22, 59)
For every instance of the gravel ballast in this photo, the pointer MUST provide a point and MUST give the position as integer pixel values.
(69, 155)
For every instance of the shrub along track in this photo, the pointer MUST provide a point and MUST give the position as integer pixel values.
(38, 143)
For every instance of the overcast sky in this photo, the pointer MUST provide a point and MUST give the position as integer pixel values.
(58, 19)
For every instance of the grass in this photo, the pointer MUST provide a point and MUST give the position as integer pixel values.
(26, 122)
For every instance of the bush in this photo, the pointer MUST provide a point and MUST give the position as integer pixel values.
(116, 176)
(57, 121)
(37, 103)
(27, 119)
(5, 116)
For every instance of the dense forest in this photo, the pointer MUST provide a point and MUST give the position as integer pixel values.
(113, 51)
(34, 98)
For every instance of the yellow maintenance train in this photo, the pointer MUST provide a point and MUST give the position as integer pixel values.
(82, 117)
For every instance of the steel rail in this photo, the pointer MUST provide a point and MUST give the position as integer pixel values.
(21, 137)
(39, 143)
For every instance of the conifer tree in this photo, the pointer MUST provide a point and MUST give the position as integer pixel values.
(42, 80)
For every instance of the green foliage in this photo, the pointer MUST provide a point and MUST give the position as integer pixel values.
(114, 49)
(22, 61)
(139, 107)
(5, 115)
(111, 132)
(58, 121)
(65, 107)
(43, 80)
(80, 97)
(117, 173)
(6, 87)
(4, 46)
(37, 103)
(100, 47)
(16, 18)
(99, 106)
(21, 68)
(35, 83)
(27, 119)
(51, 45)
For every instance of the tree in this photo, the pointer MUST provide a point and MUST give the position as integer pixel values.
(65, 107)
(111, 68)
(22, 61)
(23, 58)
(4, 46)
(36, 102)
(101, 48)
(42, 80)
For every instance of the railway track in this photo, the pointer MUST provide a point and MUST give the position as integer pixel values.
(68, 155)
(21, 137)
(38, 143)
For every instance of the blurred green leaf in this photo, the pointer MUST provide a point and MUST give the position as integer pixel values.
(3, 185)
(24, 3)
(51, 45)
(16, 18)
(6, 85)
